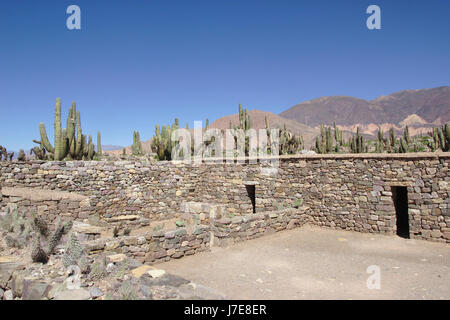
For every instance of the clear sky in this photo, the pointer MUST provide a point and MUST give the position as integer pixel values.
(136, 63)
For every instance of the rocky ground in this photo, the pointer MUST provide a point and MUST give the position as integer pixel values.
(101, 276)
(121, 278)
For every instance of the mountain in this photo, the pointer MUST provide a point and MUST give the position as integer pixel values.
(257, 118)
(146, 147)
(109, 147)
(421, 108)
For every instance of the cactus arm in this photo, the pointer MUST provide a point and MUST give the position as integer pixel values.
(44, 139)
(79, 146)
(58, 131)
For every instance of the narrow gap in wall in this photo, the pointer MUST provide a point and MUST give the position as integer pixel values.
(400, 198)
(251, 191)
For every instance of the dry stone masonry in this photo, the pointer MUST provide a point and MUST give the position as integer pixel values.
(352, 192)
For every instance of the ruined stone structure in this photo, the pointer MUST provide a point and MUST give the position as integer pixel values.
(408, 194)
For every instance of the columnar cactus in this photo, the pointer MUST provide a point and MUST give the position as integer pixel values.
(319, 147)
(392, 138)
(406, 135)
(403, 146)
(324, 142)
(99, 144)
(446, 130)
(357, 143)
(68, 141)
(136, 148)
(162, 143)
(244, 119)
(338, 136)
(380, 142)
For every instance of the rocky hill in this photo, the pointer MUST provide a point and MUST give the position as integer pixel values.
(419, 109)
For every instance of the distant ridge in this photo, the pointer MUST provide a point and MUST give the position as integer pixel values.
(430, 105)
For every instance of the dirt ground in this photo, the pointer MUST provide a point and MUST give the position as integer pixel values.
(316, 263)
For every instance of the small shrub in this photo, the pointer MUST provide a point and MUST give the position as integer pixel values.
(158, 227)
(127, 291)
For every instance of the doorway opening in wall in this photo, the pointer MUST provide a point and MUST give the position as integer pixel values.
(400, 198)
(251, 191)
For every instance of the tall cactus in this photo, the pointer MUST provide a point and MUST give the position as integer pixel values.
(269, 136)
(338, 136)
(403, 146)
(244, 119)
(380, 142)
(446, 130)
(99, 144)
(392, 138)
(319, 147)
(67, 141)
(324, 142)
(136, 148)
(61, 138)
(406, 135)
(162, 142)
(357, 143)
(89, 150)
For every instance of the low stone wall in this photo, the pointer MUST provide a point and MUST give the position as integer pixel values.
(160, 246)
(228, 231)
(154, 247)
(50, 204)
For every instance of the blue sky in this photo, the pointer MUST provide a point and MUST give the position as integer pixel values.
(136, 63)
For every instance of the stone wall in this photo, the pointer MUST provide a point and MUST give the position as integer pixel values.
(160, 246)
(341, 191)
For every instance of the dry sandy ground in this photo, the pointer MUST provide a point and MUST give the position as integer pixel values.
(316, 263)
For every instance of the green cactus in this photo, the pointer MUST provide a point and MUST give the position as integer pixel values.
(60, 140)
(406, 135)
(40, 225)
(319, 147)
(357, 143)
(329, 140)
(161, 141)
(21, 156)
(99, 144)
(380, 142)
(89, 149)
(57, 235)
(244, 119)
(136, 148)
(37, 253)
(392, 138)
(337, 136)
(403, 146)
(324, 142)
(446, 130)
(68, 141)
(73, 251)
